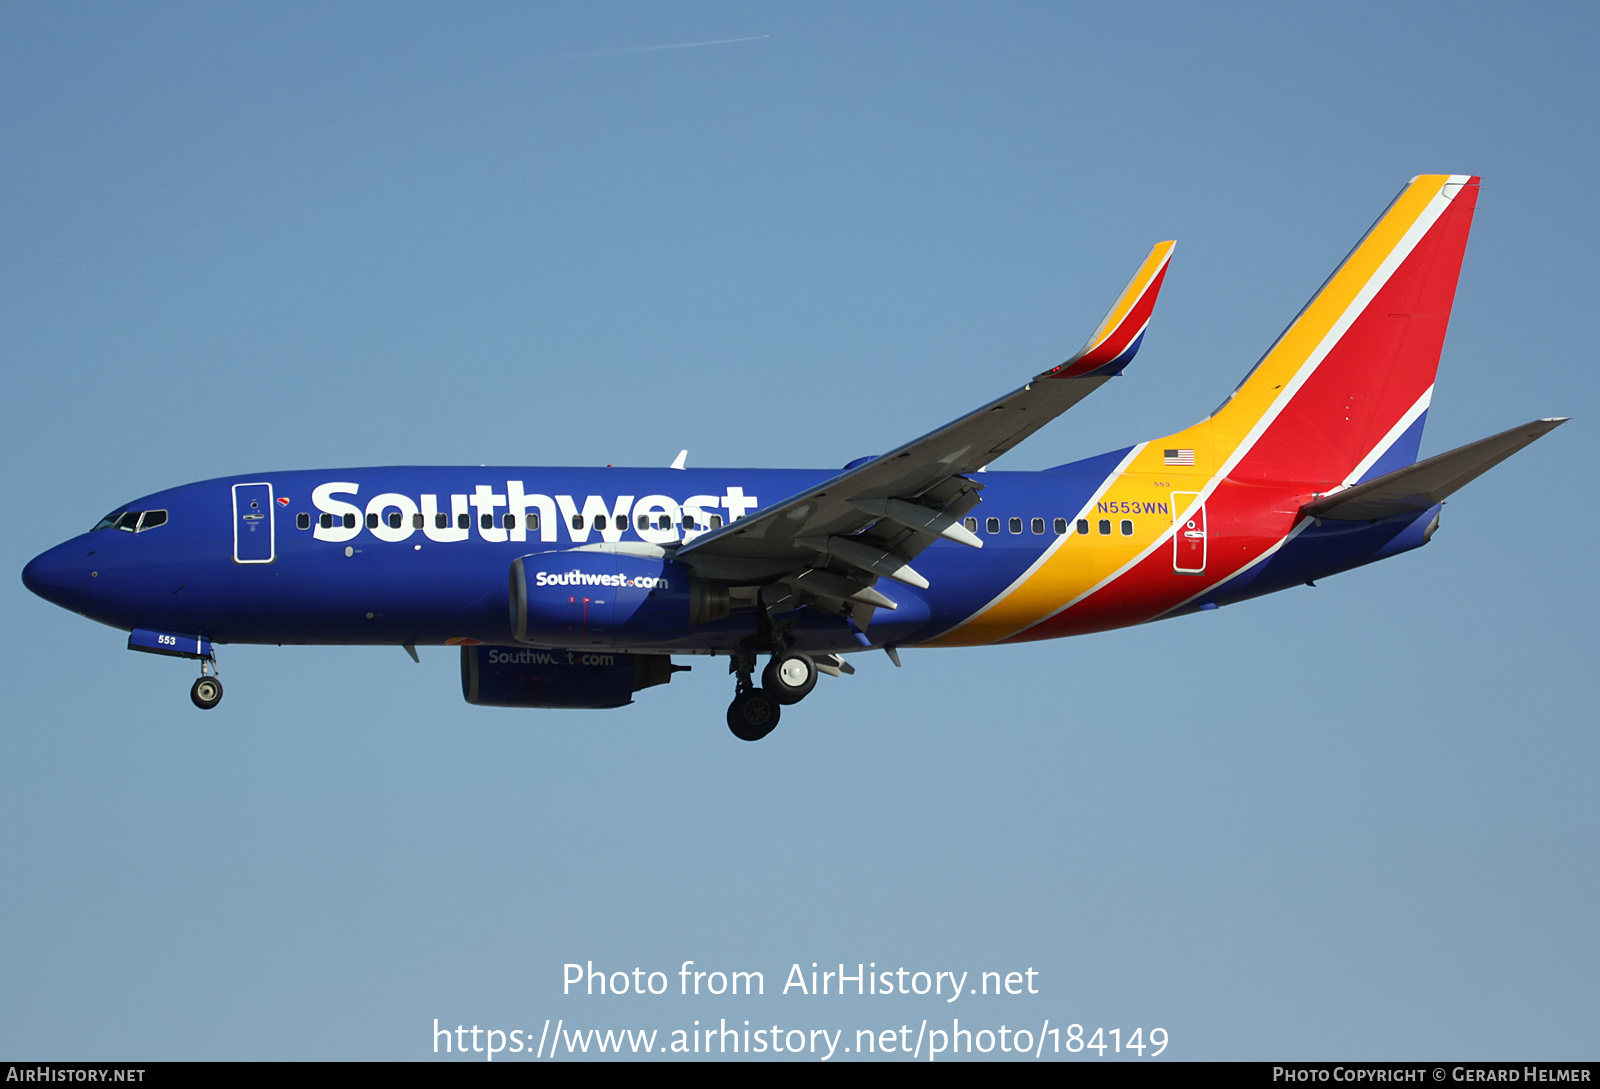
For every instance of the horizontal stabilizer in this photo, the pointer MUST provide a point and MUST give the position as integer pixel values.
(1418, 487)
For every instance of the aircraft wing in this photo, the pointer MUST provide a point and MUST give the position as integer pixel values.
(875, 517)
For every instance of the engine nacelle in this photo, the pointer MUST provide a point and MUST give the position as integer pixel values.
(578, 598)
(524, 677)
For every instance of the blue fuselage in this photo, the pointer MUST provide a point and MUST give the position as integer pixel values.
(421, 554)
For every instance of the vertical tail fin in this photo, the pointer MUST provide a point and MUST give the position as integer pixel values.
(1342, 393)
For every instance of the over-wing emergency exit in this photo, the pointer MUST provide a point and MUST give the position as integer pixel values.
(571, 587)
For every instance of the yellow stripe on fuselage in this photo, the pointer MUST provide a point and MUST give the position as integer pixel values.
(1078, 563)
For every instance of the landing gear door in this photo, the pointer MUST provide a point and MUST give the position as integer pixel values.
(252, 524)
(1189, 533)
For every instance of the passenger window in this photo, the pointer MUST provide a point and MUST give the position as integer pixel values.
(716, 521)
(600, 522)
(1038, 525)
(303, 520)
(577, 521)
(507, 520)
(971, 524)
(441, 520)
(463, 520)
(533, 521)
(663, 522)
(350, 521)
(418, 521)
(485, 521)
(1061, 527)
(1083, 525)
(1015, 525)
(326, 521)
(1127, 527)
(1105, 527)
(394, 520)
(372, 520)
(154, 518)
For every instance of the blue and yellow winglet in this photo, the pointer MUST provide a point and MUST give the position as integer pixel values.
(1115, 342)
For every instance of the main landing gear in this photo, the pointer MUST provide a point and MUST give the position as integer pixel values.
(753, 713)
(206, 692)
(789, 678)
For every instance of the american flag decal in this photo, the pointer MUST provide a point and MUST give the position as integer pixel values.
(1177, 457)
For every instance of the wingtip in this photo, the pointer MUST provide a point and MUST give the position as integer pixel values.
(1119, 334)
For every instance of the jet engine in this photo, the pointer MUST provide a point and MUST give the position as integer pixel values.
(523, 677)
(577, 598)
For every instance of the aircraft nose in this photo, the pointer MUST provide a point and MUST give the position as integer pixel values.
(62, 575)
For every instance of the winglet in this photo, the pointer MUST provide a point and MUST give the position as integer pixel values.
(677, 462)
(1114, 343)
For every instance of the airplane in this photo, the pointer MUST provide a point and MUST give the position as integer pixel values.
(573, 587)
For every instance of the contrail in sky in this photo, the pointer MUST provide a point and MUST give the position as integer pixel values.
(629, 50)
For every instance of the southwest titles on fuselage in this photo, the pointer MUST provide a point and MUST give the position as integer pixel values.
(663, 517)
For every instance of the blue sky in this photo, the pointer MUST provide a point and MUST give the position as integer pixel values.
(1351, 821)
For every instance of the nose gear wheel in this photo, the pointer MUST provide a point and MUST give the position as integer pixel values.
(206, 693)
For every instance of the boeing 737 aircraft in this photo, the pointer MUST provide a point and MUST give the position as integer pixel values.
(572, 587)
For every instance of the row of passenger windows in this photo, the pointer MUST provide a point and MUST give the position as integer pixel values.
(134, 521)
(487, 521)
(1014, 525)
(601, 521)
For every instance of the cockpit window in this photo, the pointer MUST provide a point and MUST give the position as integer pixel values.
(132, 521)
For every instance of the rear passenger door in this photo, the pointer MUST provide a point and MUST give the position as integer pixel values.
(1189, 534)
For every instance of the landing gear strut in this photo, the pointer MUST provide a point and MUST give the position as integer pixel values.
(754, 711)
(206, 692)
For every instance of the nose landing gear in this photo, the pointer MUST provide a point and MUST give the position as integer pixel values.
(206, 692)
